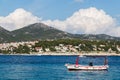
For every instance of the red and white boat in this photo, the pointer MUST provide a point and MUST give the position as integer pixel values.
(89, 67)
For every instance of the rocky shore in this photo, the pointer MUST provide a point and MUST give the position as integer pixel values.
(81, 54)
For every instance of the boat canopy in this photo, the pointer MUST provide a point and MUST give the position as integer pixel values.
(105, 59)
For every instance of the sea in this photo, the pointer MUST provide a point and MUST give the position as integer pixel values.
(34, 67)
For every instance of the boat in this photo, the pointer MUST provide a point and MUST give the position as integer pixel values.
(89, 67)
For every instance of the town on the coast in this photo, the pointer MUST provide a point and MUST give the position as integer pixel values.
(61, 47)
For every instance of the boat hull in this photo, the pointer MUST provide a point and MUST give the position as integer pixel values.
(86, 68)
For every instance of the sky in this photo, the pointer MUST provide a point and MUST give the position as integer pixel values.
(73, 16)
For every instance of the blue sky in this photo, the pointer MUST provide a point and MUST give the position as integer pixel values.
(58, 9)
(61, 14)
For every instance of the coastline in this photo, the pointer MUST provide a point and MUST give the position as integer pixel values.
(81, 54)
(68, 54)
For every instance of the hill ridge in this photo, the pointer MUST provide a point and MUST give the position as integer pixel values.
(38, 31)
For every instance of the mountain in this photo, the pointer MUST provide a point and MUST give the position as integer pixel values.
(42, 31)
(39, 31)
(5, 36)
(96, 37)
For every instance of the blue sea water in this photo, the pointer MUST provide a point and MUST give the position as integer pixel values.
(13, 67)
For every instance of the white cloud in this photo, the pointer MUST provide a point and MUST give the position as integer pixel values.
(88, 21)
(115, 31)
(18, 19)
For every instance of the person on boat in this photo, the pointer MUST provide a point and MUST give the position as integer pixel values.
(90, 64)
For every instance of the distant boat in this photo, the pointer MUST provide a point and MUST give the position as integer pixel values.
(82, 56)
(89, 67)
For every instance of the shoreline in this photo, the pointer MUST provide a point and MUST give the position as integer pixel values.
(68, 54)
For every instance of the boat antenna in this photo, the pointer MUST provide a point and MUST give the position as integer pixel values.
(77, 61)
